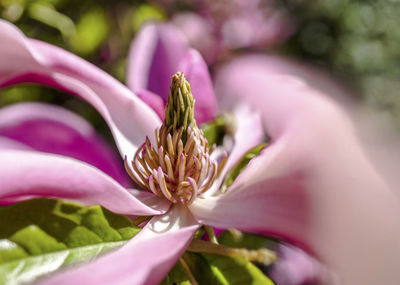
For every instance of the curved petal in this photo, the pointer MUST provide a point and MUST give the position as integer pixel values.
(196, 72)
(277, 65)
(145, 259)
(154, 57)
(52, 129)
(25, 174)
(6, 143)
(149, 199)
(313, 185)
(276, 206)
(249, 133)
(26, 60)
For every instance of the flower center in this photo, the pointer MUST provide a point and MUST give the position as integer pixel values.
(180, 167)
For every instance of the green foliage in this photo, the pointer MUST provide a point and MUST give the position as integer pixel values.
(249, 241)
(358, 40)
(228, 271)
(47, 14)
(91, 30)
(216, 270)
(40, 236)
(221, 270)
(146, 12)
(215, 130)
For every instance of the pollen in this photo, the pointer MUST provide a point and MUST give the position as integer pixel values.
(179, 166)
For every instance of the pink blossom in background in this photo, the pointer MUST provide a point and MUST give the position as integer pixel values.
(218, 27)
(312, 185)
(295, 267)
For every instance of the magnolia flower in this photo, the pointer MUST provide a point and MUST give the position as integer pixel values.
(130, 120)
(312, 185)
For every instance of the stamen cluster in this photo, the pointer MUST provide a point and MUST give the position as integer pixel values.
(179, 168)
(180, 172)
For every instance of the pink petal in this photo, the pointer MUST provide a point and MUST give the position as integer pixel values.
(276, 65)
(53, 129)
(149, 199)
(24, 174)
(295, 267)
(249, 133)
(26, 60)
(154, 57)
(6, 143)
(313, 185)
(145, 259)
(196, 72)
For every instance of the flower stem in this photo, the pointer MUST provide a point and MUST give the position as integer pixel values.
(261, 255)
(211, 234)
(138, 221)
(186, 267)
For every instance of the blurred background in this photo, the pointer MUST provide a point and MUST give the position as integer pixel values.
(358, 42)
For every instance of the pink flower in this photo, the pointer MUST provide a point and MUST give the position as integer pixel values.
(313, 184)
(295, 267)
(216, 28)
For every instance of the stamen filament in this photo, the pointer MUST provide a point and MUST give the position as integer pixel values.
(169, 168)
(163, 186)
(262, 255)
(194, 190)
(180, 149)
(153, 187)
(132, 174)
(170, 147)
(182, 167)
(160, 157)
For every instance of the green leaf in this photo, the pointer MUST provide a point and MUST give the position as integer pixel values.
(91, 30)
(249, 241)
(215, 130)
(40, 236)
(216, 270)
(230, 271)
(146, 12)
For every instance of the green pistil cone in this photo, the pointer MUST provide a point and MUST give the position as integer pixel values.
(179, 110)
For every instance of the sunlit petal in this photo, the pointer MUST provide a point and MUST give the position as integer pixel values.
(26, 60)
